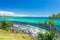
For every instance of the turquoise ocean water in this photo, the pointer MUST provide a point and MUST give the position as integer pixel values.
(32, 20)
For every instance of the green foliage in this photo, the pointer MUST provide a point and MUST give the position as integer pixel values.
(51, 22)
(5, 25)
(40, 23)
(40, 36)
(53, 16)
(45, 23)
(57, 16)
(46, 36)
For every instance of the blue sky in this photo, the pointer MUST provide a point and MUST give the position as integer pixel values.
(31, 7)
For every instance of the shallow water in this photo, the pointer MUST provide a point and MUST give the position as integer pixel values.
(32, 20)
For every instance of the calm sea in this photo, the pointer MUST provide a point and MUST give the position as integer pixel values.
(32, 20)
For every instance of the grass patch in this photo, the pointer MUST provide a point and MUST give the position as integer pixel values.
(5, 35)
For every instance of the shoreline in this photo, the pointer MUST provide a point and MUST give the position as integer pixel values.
(29, 29)
(32, 29)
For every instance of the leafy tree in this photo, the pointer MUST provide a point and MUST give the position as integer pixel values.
(40, 23)
(53, 16)
(45, 23)
(51, 23)
(57, 16)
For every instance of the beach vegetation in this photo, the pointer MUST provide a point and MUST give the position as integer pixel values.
(55, 16)
(5, 34)
(40, 23)
(5, 25)
(51, 23)
(46, 36)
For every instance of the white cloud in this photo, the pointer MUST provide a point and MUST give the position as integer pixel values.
(7, 13)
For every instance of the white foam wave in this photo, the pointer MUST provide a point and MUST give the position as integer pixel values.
(32, 30)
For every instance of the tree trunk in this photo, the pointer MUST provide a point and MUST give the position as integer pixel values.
(50, 26)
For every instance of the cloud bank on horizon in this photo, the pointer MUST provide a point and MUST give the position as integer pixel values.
(8, 13)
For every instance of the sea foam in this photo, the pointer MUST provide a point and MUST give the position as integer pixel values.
(29, 29)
